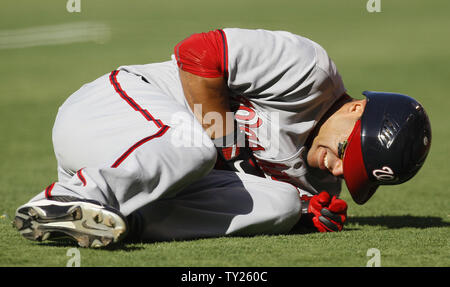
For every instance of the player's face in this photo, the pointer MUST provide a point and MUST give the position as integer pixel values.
(329, 144)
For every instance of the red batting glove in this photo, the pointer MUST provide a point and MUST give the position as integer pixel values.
(329, 214)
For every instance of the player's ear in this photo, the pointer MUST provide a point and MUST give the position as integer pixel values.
(356, 107)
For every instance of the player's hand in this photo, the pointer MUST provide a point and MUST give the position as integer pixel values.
(328, 214)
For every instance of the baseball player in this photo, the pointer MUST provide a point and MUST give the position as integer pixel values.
(243, 132)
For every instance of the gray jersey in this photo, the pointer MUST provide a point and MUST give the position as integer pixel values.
(284, 84)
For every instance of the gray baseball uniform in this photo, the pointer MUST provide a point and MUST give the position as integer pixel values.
(130, 140)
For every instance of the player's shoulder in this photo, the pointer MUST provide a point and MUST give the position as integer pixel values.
(294, 44)
(265, 34)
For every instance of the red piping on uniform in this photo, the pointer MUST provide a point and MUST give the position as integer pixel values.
(129, 100)
(161, 132)
(162, 127)
(48, 190)
(81, 177)
(225, 53)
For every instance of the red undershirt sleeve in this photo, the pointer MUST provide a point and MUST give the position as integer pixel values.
(204, 54)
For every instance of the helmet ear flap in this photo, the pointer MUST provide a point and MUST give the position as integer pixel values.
(355, 174)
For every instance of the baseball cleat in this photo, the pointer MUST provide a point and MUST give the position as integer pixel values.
(88, 222)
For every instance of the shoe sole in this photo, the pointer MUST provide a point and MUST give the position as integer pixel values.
(88, 224)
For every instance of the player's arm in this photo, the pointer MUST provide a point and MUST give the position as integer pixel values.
(202, 62)
(203, 72)
(209, 100)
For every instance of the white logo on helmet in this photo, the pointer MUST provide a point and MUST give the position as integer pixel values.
(384, 174)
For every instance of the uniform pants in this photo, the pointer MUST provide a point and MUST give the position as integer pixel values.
(122, 141)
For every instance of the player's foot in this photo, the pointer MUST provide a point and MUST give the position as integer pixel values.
(88, 222)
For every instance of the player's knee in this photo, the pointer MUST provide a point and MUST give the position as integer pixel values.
(283, 211)
(205, 159)
(289, 203)
(281, 204)
(210, 155)
(198, 160)
(188, 137)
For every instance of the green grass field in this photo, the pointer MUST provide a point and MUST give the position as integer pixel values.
(405, 48)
